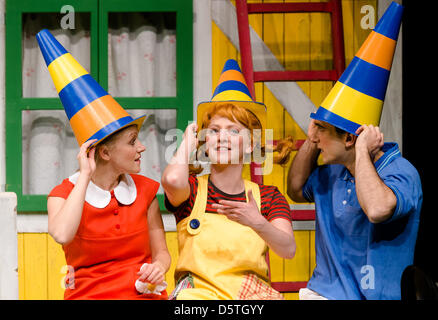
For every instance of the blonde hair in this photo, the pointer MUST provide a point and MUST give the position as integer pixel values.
(245, 117)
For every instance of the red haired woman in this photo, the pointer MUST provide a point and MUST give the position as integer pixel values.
(225, 224)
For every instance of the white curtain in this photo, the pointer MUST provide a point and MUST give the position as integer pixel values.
(141, 63)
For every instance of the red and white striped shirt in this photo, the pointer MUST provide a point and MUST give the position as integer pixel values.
(273, 204)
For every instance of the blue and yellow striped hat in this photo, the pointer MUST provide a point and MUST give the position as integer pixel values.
(357, 97)
(232, 88)
(92, 112)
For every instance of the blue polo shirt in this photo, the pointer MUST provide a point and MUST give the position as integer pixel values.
(356, 259)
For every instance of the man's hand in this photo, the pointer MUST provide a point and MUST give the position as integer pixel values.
(311, 130)
(369, 139)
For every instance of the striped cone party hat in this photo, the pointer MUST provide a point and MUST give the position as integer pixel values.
(92, 112)
(357, 97)
(232, 88)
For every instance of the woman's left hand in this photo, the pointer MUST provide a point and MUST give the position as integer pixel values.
(246, 213)
(152, 273)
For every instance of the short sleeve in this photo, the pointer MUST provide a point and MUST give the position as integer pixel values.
(274, 204)
(404, 181)
(185, 208)
(308, 186)
(62, 190)
(153, 187)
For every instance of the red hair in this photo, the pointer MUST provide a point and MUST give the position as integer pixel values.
(245, 117)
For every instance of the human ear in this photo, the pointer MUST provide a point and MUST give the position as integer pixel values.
(104, 152)
(350, 140)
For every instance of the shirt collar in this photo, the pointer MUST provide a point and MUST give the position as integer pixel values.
(125, 192)
(391, 152)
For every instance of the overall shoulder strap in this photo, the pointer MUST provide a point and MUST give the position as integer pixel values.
(249, 185)
(194, 224)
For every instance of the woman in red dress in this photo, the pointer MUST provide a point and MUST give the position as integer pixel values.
(108, 221)
(105, 216)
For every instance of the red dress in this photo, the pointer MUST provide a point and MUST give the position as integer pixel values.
(110, 246)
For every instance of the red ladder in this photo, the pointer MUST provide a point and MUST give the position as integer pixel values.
(334, 7)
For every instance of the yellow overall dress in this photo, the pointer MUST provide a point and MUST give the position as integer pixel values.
(224, 258)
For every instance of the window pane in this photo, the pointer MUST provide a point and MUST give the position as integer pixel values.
(50, 147)
(142, 54)
(36, 78)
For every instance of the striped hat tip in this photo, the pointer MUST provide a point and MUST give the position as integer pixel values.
(389, 23)
(357, 97)
(92, 112)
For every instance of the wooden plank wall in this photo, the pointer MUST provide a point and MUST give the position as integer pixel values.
(299, 41)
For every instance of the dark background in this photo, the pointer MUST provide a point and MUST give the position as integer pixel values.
(420, 121)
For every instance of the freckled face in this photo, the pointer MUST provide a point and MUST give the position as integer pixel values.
(225, 141)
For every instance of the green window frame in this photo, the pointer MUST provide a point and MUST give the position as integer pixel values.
(98, 10)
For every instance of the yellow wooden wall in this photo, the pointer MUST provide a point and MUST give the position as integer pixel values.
(299, 41)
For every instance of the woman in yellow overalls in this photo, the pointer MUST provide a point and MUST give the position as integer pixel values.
(225, 224)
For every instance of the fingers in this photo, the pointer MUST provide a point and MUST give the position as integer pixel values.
(229, 204)
(193, 126)
(84, 147)
(370, 138)
(190, 137)
(85, 158)
(311, 129)
(360, 129)
(91, 153)
(88, 143)
(372, 131)
(230, 211)
(368, 128)
(151, 273)
(224, 210)
(191, 129)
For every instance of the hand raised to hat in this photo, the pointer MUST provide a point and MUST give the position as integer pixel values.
(369, 139)
(190, 136)
(87, 164)
(312, 131)
(190, 140)
(246, 213)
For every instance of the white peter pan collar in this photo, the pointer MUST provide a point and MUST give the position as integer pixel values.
(125, 192)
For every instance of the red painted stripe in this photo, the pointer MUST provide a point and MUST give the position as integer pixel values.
(289, 7)
(310, 75)
(292, 286)
(303, 215)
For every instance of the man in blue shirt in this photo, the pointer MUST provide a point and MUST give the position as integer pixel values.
(367, 200)
(367, 196)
